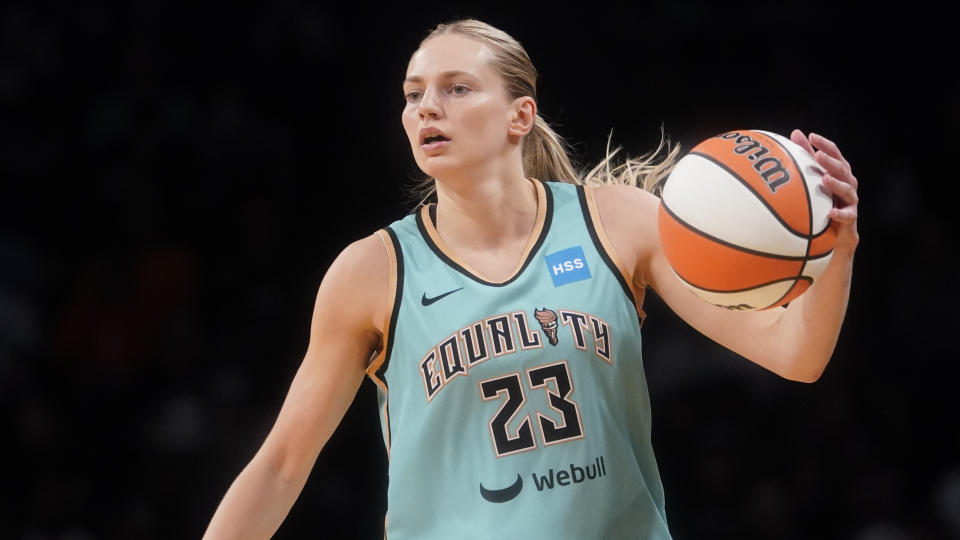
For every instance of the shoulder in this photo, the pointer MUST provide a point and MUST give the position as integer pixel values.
(366, 256)
(614, 198)
(629, 218)
(360, 263)
(356, 286)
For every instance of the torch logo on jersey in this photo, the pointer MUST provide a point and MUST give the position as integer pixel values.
(548, 322)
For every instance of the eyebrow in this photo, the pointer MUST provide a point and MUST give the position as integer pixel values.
(444, 75)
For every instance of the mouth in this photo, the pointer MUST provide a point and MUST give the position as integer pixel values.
(432, 138)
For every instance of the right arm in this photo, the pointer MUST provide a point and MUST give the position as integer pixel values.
(347, 326)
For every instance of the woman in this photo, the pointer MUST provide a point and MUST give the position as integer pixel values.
(501, 325)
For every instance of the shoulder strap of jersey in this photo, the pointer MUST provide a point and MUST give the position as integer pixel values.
(381, 358)
(602, 242)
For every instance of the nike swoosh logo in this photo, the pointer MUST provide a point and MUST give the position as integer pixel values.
(427, 301)
(502, 495)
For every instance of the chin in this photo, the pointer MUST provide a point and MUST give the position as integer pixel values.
(438, 167)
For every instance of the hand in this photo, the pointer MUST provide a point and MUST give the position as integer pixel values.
(838, 182)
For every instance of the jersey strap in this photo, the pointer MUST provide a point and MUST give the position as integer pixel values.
(378, 366)
(604, 247)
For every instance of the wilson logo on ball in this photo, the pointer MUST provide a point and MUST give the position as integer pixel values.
(743, 221)
(769, 167)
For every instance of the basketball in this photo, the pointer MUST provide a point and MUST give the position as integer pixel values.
(743, 221)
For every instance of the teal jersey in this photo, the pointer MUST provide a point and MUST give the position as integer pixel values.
(517, 409)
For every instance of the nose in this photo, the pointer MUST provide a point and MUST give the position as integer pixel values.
(430, 104)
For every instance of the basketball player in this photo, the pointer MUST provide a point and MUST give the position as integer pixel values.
(502, 325)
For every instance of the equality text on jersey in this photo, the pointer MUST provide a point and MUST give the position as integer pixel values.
(508, 333)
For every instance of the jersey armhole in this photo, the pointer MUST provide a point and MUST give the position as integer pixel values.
(605, 246)
(381, 359)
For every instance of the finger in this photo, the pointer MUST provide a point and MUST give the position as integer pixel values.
(839, 169)
(826, 145)
(841, 191)
(844, 215)
(798, 137)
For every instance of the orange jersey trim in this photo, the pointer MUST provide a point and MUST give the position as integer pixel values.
(607, 246)
(431, 229)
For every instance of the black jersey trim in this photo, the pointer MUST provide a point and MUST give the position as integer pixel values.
(381, 371)
(547, 221)
(394, 315)
(588, 220)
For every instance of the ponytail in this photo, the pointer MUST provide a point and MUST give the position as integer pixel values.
(647, 172)
(546, 156)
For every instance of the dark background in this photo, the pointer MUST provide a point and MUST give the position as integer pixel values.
(176, 180)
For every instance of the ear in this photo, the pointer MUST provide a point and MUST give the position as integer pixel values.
(522, 117)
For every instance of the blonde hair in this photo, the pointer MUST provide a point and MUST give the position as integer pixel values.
(546, 154)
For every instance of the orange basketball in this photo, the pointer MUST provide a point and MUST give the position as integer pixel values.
(743, 221)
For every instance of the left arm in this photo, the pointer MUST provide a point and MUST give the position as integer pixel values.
(795, 342)
(808, 329)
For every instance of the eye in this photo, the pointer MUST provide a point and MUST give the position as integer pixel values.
(413, 96)
(459, 89)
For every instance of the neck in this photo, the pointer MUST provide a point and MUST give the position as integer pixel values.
(488, 212)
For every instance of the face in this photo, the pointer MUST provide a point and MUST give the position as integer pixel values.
(458, 114)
